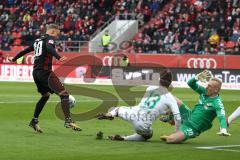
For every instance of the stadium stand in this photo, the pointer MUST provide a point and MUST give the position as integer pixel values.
(21, 21)
(185, 26)
(193, 26)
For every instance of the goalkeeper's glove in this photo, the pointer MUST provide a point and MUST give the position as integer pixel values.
(223, 132)
(168, 118)
(204, 76)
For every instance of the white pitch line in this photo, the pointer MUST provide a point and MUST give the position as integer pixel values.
(78, 101)
(213, 147)
(83, 100)
(229, 150)
(220, 148)
(14, 102)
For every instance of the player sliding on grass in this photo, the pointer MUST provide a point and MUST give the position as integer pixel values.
(45, 79)
(156, 101)
(200, 118)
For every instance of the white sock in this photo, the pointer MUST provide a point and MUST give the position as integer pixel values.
(113, 111)
(234, 115)
(134, 137)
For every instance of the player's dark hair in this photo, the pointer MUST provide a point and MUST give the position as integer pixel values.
(165, 78)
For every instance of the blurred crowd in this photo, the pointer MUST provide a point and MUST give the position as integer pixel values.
(21, 21)
(186, 26)
(193, 26)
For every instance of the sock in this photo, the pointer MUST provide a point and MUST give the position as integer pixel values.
(234, 115)
(35, 120)
(65, 106)
(134, 137)
(39, 106)
(114, 111)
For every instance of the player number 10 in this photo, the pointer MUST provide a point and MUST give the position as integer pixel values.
(38, 48)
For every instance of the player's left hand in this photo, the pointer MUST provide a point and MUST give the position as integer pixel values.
(223, 132)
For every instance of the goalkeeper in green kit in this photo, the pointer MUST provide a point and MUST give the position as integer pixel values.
(204, 112)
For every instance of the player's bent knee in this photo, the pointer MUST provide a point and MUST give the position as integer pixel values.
(47, 95)
(146, 134)
(146, 137)
(64, 93)
(64, 96)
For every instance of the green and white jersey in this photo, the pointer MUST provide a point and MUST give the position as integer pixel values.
(159, 101)
(205, 111)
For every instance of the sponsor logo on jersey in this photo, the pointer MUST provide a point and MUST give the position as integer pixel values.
(51, 41)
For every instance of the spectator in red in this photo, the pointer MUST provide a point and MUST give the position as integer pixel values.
(2, 57)
(146, 13)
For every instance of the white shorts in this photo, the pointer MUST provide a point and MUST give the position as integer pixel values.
(138, 118)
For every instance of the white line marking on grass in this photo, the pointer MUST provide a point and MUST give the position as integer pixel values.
(226, 146)
(14, 102)
(79, 101)
(221, 148)
(229, 150)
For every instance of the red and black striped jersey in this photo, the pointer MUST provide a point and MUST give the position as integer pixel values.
(44, 51)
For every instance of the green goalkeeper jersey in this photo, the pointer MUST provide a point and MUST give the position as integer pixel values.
(206, 109)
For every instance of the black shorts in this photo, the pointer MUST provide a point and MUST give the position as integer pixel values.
(47, 81)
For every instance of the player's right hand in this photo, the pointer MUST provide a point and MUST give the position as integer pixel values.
(63, 58)
(204, 76)
(223, 132)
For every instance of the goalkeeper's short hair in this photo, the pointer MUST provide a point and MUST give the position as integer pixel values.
(218, 81)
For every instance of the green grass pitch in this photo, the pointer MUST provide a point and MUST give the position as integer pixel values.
(19, 142)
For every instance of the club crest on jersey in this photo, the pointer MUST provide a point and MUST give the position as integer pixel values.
(51, 41)
(206, 106)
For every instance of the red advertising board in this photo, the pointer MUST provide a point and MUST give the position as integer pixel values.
(14, 72)
(166, 60)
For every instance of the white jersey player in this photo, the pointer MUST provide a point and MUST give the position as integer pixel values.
(156, 101)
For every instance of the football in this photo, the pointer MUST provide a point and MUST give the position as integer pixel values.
(164, 72)
(72, 101)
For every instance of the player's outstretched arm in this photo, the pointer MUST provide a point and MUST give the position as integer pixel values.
(23, 52)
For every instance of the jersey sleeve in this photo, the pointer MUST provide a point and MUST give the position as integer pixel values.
(175, 110)
(192, 83)
(50, 49)
(23, 52)
(220, 111)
